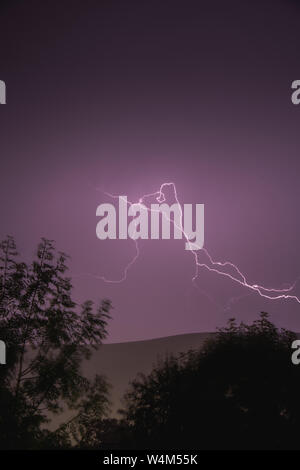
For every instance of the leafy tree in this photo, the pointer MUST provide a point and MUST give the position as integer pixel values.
(107, 434)
(240, 391)
(47, 337)
(82, 429)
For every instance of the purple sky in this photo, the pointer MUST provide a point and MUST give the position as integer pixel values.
(126, 95)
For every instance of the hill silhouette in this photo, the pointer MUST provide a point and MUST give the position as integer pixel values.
(121, 362)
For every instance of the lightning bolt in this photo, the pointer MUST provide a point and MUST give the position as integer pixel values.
(221, 268)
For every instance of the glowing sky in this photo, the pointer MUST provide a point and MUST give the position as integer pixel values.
(122, 96)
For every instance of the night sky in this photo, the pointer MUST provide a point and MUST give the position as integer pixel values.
(121, 96)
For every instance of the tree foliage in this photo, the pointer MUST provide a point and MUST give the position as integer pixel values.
(47, 337)
(240, 391)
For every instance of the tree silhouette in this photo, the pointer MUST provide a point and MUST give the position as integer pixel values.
(240, 391)
(47, 338)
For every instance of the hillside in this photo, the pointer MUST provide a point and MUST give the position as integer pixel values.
(121, 362)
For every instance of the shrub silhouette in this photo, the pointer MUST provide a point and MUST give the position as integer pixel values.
(241, 391)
